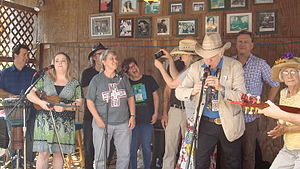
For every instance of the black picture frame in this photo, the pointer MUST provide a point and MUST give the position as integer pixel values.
(176, 7)
(125, 27)
(266, 22)
(105, 6)
(186, 27)
(143, 27)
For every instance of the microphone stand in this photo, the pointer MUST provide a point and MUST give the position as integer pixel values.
(195, 129)
(22, 100)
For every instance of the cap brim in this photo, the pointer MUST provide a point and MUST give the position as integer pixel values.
(277, 68)
(176, 51)
(93, 52)
(210, 53)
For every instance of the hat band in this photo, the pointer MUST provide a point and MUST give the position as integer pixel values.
(212, 48)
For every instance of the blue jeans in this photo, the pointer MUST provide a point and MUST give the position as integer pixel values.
(141, 135)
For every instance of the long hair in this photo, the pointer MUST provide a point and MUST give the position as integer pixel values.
(69, 75)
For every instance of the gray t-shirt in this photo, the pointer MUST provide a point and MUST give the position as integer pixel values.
(103, 89)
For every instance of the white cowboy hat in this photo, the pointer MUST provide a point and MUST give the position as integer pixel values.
(186, 47)
(211, 45)
(284, 63)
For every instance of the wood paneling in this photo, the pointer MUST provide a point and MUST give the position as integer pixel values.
(64, 26)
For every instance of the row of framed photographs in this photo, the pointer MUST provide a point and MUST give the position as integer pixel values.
(103, 25)
(154, 7)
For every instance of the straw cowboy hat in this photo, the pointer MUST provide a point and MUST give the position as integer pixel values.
(98, 46)
(285, 62)
(211, 45)
(186, 47)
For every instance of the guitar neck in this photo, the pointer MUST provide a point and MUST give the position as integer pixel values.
(289, 109)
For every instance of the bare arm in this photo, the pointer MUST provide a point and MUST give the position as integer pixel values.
(92, 108)
(156, 106)
(168, 79)
(273, 92)
(166, 106)
(131, 105)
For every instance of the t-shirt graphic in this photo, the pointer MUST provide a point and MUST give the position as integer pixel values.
(139, 92)
(114, 94)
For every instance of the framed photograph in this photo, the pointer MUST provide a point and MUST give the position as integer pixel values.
(128, 6)
(266, 21)
(143, 27)
(198, 6)
(263, 1)
(214, 5)
(163, 26)
(102, 25)
(186, 27)
(125, 27)
(176, 7)
(238, 4)
(105, 5)
(212, 24)
(239, 21)
(152, 7)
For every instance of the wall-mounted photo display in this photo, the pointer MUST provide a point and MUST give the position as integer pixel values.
(128, 6)
(125, 27)
(266, 21)
(102, 25)
(212, 24)
(163, 26)
(105, 5)
(176, 7)
(263, 1)
(152, 7)
(186, 27)
(238, 4)
(238, 21)
(143, 27)
(214, 5)
(198, 6)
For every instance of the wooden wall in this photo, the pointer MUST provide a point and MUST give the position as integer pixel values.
(64, 26)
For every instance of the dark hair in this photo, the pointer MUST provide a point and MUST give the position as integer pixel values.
(16, 49)
(244, 32)
(128, 61)
(208, 18)
(179, 64)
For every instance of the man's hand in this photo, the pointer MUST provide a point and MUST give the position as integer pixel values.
(164, 121)
(131, 123)
(154, 118)
(213, 81)
(196, 89)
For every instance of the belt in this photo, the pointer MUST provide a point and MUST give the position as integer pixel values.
(177, 106)
(217, 121)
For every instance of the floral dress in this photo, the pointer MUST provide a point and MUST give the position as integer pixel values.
(45, 138)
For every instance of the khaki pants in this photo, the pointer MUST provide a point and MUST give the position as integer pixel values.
(175, 130)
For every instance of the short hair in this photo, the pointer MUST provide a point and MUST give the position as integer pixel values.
(128, 61)
(244, 32)
(17, 48)
(104, 55)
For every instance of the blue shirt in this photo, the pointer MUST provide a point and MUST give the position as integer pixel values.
(256, 72)
(14, 81)
(206, 111)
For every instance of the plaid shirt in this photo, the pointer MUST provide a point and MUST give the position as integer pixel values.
(14, 81)
(256, 72)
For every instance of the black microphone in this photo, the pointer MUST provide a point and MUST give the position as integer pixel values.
(205, 74)
(42, 71)
(124, 69)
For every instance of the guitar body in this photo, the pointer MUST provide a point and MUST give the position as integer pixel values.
(43, 96)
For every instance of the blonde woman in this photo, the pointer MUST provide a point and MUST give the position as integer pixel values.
(58, 82)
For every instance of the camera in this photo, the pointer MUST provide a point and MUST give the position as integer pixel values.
(158, 54)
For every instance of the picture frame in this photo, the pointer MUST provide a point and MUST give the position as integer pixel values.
(238, 4)
(102, 25)
(186, 27)
(176, 7)
(198, 6)
(126, 27)
(128, 6)
(163, 26)
(212, 24)
(238, 21)
(105, 5)
(263, 1)
(266, 22)
(143, 27)
(215, 5)
(152, 7)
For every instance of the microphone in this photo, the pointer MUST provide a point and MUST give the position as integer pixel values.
(205, 74)
(124, 69)
(42, 71)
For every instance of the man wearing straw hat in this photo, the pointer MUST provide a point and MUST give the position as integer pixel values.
(219, 121)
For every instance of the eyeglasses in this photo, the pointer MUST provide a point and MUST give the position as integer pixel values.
(293, 72)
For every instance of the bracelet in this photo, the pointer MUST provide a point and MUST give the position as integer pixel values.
(132, 115)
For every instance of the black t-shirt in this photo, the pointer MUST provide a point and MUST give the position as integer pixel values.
(143, 90)
(86, 77)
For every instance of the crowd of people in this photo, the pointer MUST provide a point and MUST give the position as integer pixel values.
(121, 108)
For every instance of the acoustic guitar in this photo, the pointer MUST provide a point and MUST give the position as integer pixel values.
(251, 104)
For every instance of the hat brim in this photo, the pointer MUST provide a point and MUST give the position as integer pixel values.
(210, 53)
(176, 51)
(93, 52)
(277, 69)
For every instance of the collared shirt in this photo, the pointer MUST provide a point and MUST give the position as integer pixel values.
(206, 111)
(14, 81)
(256, 71)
